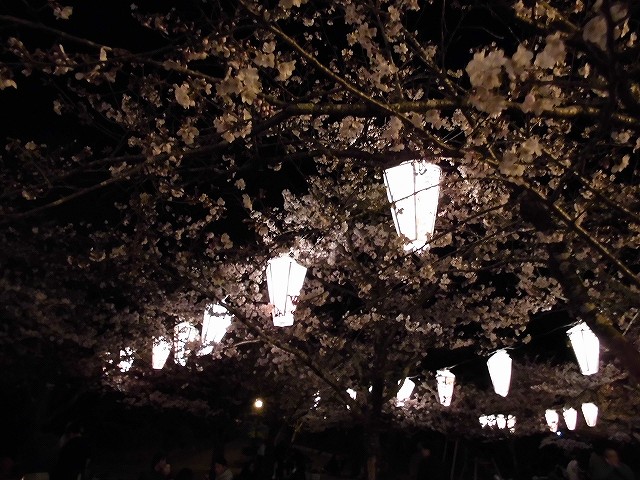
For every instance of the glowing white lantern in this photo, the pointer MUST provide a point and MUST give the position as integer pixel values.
(570, 416)
(215, 323)
(285, 278)
(501, 421)
(590, 412)
(126, 359)
(511, 423)
(446, 381)
(553, 419)
(586, 346)
(500, 371)
(352, 393)
(413, 189)
(184, 335)
(160, 352)
(258, 404)
(483, 420)
(405, 392)
(491, 421)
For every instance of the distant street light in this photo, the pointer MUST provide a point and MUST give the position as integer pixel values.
(446, 381)
(413, 189)
(285, 278)
(586, 346)
(499, 365)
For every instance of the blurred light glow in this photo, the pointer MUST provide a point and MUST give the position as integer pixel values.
(126, 359)
(258, 403)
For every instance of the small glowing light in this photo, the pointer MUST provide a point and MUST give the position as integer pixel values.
(499, 365)
(570, 417)
(352, 393)
(285, 278)
(405, 392)
(590, 412)
(316, 400)
(126, 359)
(259, 403)
(553, 419)
(160, 352)
(446, 381)
(586, 346)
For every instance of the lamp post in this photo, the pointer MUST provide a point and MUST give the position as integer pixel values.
(215, 322)
(590, 412)
(446, 381)
(285, 278)
(413, 188)
(499, 365)
(586, 346)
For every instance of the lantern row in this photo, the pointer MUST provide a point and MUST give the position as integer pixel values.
(570, 415)
(500, 421)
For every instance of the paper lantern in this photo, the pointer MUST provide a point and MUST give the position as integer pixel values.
(285, 278)
(500, 371)
(590, 412)
(553, 419)
(483, 420)
(160, 352)
(586, 346)
(405, 392)
(215, 322)
(126, 359)
(570, 416)
(184, 335)
(511, 423)
(446, 381)
(501, 421)
(352, 393)
(491, 421)
(413, 189)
